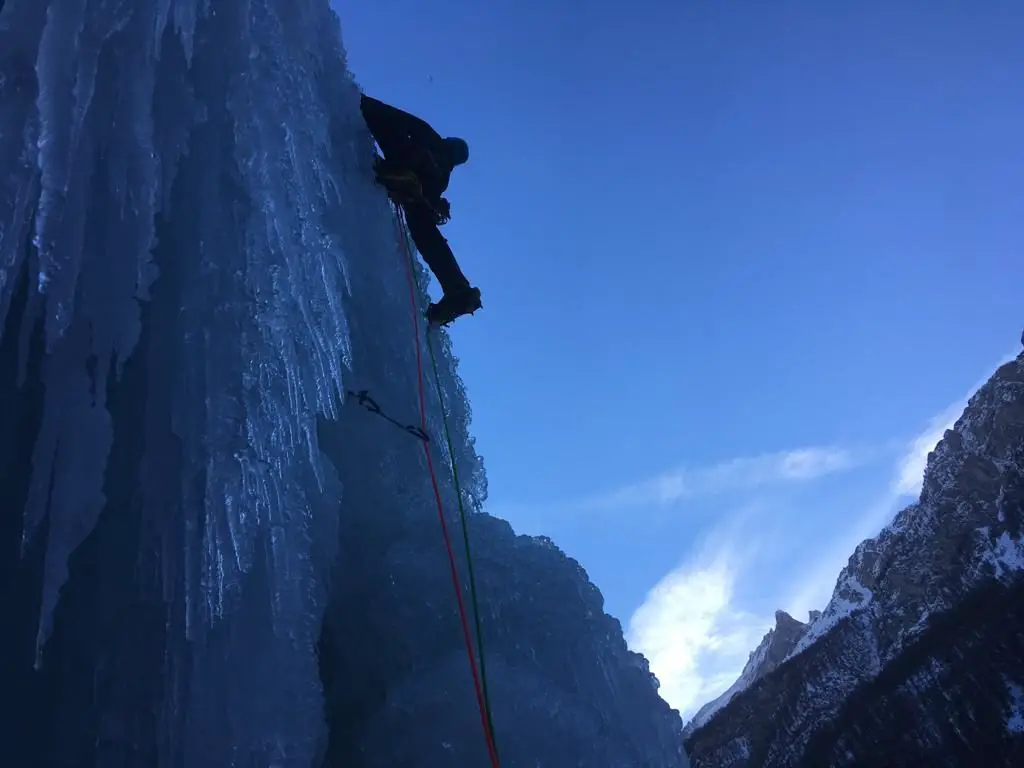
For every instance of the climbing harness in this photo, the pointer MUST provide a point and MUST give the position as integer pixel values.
(404, 188)
(479, 677)
(363, 398)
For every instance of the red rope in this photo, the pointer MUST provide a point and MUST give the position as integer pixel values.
(491, 748)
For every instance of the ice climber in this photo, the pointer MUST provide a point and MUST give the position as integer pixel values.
(415, 169)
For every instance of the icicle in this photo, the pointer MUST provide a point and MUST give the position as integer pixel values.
(14, 240)
(58, 230)
(162, 14)
(20, 187)
(93, 235)
(186, 15)
(68, 466)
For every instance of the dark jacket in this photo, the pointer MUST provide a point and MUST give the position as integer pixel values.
(422, 148)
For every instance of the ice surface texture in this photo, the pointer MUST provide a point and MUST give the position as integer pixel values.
(187, 184)
(194, 138)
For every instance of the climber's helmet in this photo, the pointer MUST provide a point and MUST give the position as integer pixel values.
(458, 150)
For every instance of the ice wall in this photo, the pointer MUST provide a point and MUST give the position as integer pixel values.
(190, 142)
(195, 267)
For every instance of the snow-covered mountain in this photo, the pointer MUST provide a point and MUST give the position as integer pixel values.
(211, 554)
(918, 659)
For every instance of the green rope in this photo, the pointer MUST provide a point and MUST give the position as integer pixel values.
(462, 518)
(465, 540)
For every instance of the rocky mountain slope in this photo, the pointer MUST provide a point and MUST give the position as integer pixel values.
(918, 659)
(775, 648)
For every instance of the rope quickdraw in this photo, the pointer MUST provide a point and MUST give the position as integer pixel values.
(480, 688)
(363, 398)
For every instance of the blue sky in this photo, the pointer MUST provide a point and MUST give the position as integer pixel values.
(740, 264)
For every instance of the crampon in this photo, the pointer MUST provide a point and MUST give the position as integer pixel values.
(453, 306)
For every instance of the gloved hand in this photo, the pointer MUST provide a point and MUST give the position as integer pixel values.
(443, 211)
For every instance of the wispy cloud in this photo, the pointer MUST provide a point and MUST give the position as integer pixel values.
(910, 470)
(740, 474)
(690, 627)
(695, 639)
